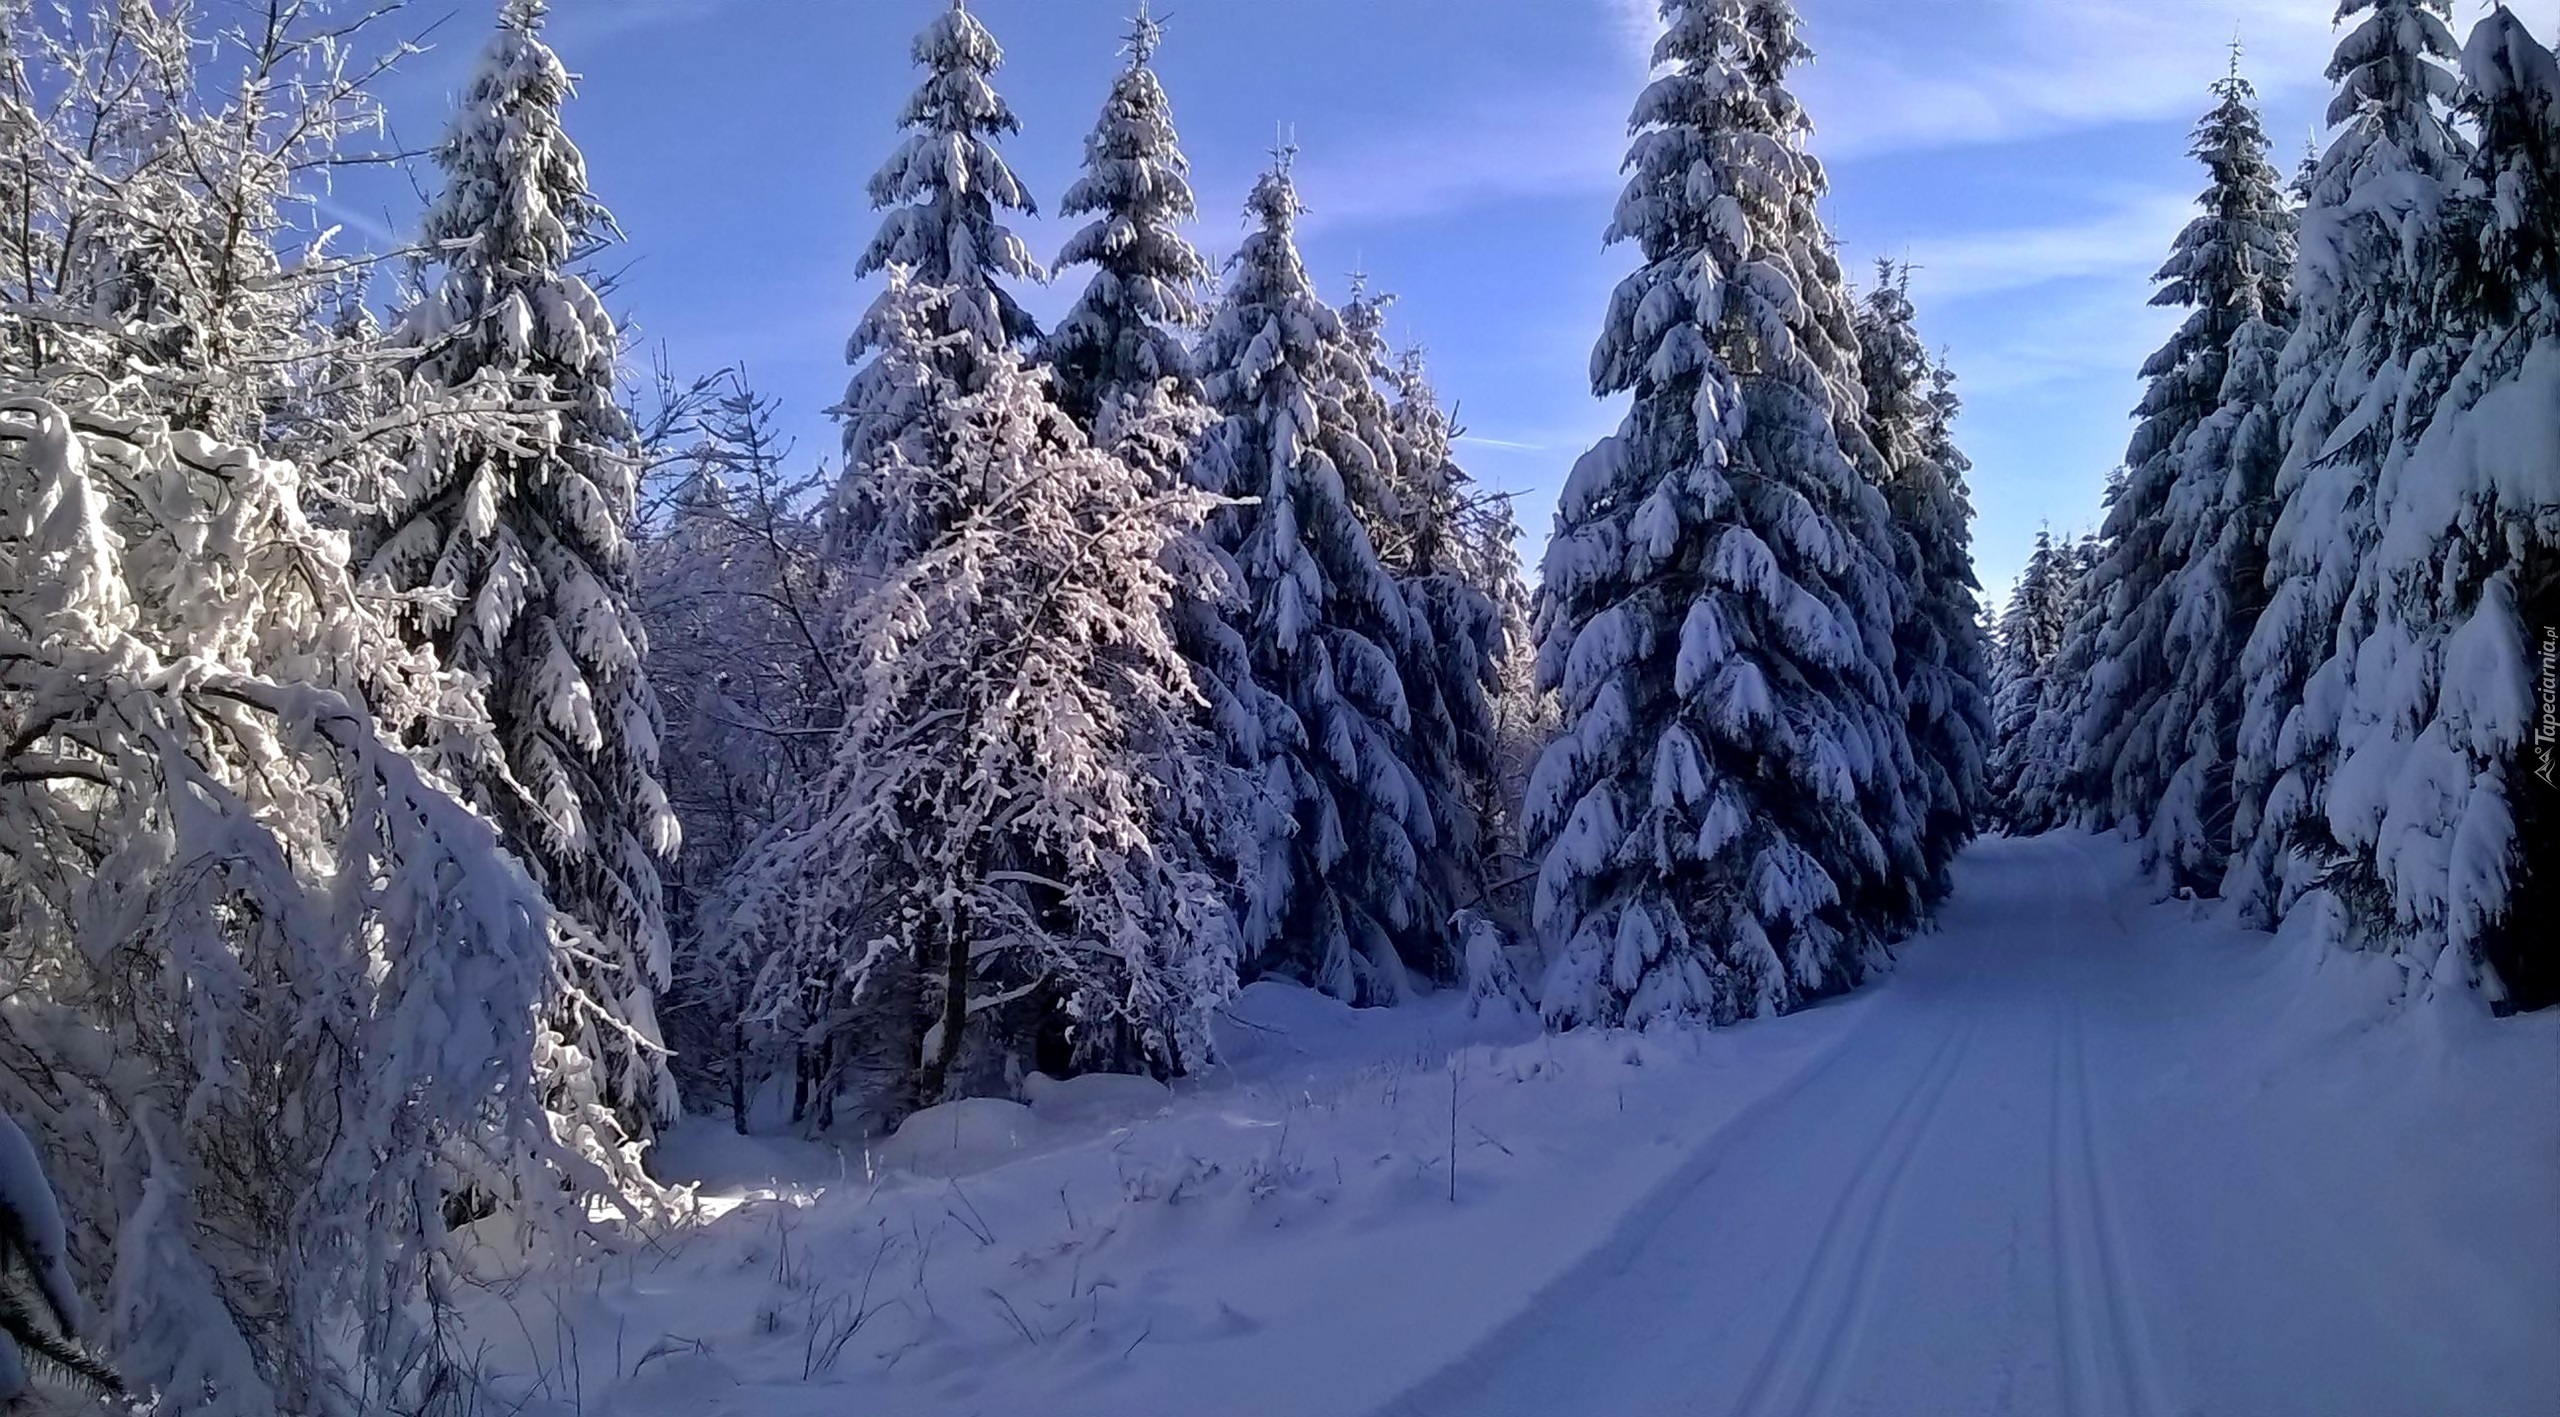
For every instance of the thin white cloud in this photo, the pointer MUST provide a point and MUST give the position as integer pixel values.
(593, 21)
(1529, 145)
(1525, 143)
(1894, 76)
(1639, 24)
(2128, 238)
(1504, 444)
(1891, 76)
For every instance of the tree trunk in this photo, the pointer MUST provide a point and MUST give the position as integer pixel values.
(830, 1083)
(738, 1073)
(955, 1007)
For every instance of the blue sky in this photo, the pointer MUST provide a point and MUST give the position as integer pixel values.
(2028, 155)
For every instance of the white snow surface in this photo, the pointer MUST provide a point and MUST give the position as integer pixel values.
(2080, 1154)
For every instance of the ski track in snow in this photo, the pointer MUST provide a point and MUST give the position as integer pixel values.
(2081, 1155)
(1843, 1255)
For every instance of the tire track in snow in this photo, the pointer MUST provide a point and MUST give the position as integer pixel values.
(1801, 1369)
(2108, 1367)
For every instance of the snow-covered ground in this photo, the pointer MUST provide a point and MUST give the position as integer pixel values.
(2082, 1154)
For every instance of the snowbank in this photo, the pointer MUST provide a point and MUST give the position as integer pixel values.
(2304, 1149)
(1117, 1246)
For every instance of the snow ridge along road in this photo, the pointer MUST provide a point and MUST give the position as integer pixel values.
(2058, 1168)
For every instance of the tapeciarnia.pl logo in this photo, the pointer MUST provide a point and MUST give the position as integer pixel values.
(2546, 731)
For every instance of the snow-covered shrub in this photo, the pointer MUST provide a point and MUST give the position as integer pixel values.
(271, 986)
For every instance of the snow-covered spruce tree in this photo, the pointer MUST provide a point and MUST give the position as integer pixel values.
(1472, 535)
(1416, 511)
(1126, 331)
(1722, 644)
(994, 815)
(942, 195)
(2237, 272)
(1939, 657)
(1122, 369)
(1453, 659)
(511, 550)
(1523, 715)
(2230, 267)
(2039, 614)
(272, 987)
(2222, 509)
(2352, 398)
(1825, 336)
(2056, 784)
(1340, 901)
(2435, 802)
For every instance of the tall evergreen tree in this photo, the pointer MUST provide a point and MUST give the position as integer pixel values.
(942, 194)
(1450, 659)
(1340, 900)
(2056, 784)
(2237, 271)
(2435, 804)
(2041, 609)
(2349, 390)
(1719, 630)
(1939, 659)
(945, 190)
(513, 553)
(1126, 331)
(1826, 339)
(2226, 267)
(1453, 658)
(1121, 368)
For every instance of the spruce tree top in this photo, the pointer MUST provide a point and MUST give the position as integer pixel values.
(945, 185)
(1720, 199)
(2390, 75)
(1123, 331)
(1277, 353)
(2236, 259)
(2395, 151)
(515, 210)
(1894, 367)
(1708, 172)
(2232, 264)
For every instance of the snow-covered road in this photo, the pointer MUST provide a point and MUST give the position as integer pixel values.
(2083, 1154)
(2048, 1174)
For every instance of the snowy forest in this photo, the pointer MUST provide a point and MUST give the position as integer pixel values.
(450, 751)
